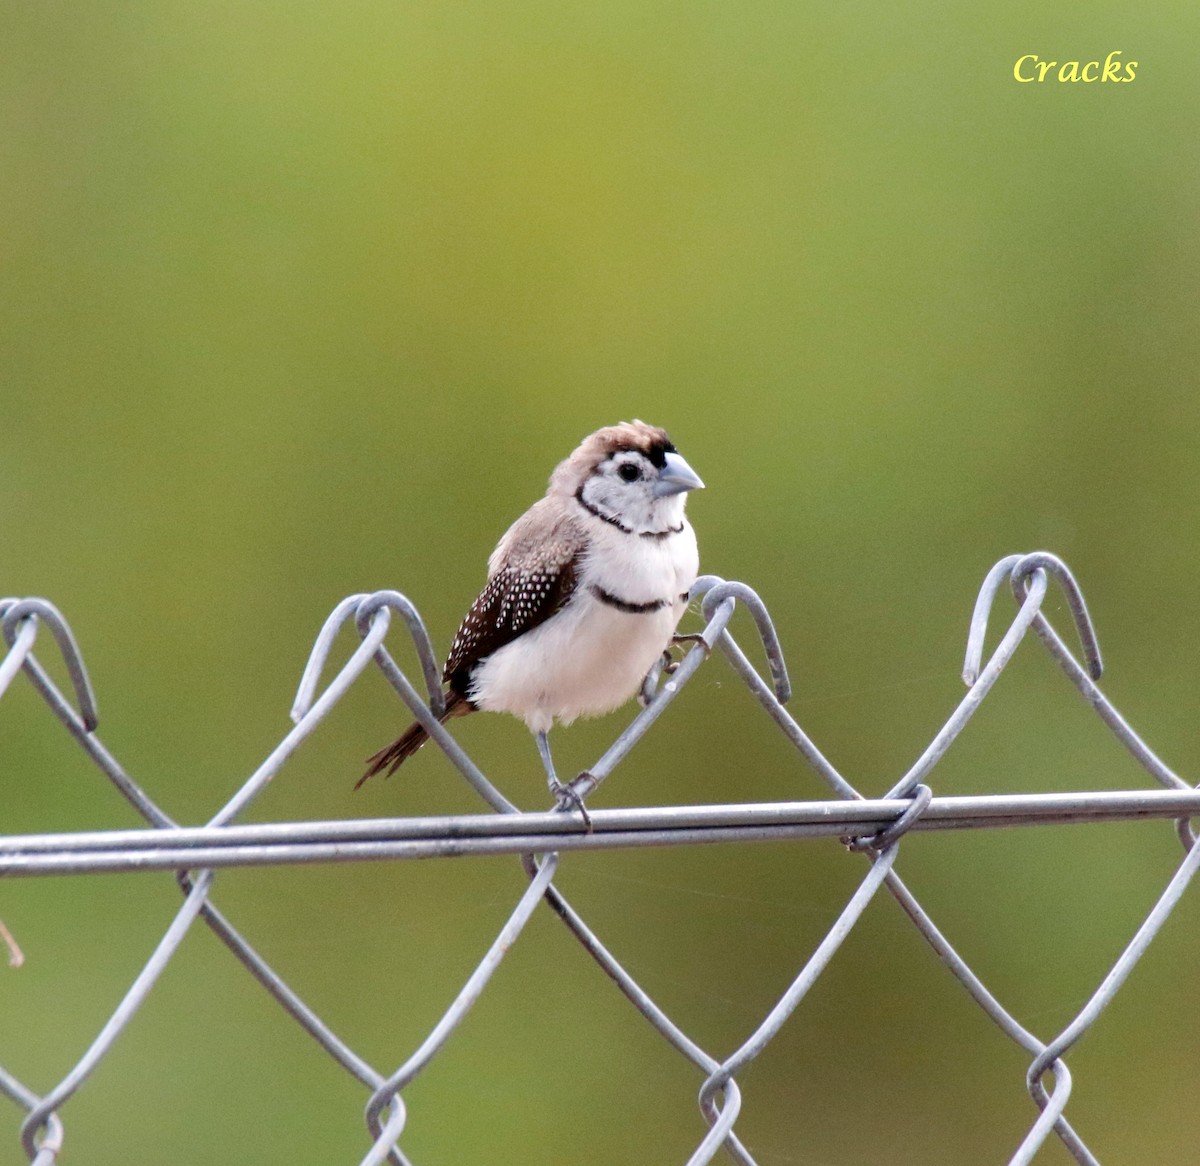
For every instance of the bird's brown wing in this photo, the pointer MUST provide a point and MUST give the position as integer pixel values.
(533, 574)
(515, 601)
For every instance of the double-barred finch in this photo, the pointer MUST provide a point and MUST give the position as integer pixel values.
(584, 593)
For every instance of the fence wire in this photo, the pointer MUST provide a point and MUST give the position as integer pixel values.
(872, 827)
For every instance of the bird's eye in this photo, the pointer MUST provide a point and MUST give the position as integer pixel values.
(629, 472)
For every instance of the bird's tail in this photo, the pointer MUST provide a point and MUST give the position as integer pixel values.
(404, 746)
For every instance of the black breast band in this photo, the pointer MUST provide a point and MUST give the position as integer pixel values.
(621, 605)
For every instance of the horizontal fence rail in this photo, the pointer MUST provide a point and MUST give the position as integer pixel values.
(872, 827)
(375, 839)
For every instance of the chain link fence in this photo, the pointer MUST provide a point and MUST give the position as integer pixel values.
(874, 828)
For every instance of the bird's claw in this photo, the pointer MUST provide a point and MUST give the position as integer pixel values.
(568, 800)
(678, 640)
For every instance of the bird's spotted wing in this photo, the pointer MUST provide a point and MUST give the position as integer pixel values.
(515, 601)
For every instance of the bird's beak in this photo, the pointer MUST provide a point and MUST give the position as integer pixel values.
(676, 477)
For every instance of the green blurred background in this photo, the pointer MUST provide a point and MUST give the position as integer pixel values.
(304, 299)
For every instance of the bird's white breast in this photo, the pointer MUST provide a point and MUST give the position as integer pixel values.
(591, 657)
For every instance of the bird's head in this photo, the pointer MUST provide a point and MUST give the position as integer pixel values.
(629, 474)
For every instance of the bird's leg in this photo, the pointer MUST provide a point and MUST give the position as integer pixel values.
(566, 797)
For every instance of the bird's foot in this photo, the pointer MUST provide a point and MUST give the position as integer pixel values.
(669, 663)
(568, 799)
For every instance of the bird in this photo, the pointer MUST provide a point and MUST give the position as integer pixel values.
(583, 595)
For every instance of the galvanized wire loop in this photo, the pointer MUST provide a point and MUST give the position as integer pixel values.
(15, 612)
(875, 826)
(1024, 569)
(402, 605)
(48, 1138)
(22, 645)
(311, 676)
(714, 591)
(372, 614)
(1020, 570)
(363, 607)
(920, 798)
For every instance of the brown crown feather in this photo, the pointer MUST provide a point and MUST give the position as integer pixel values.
(594, 448)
